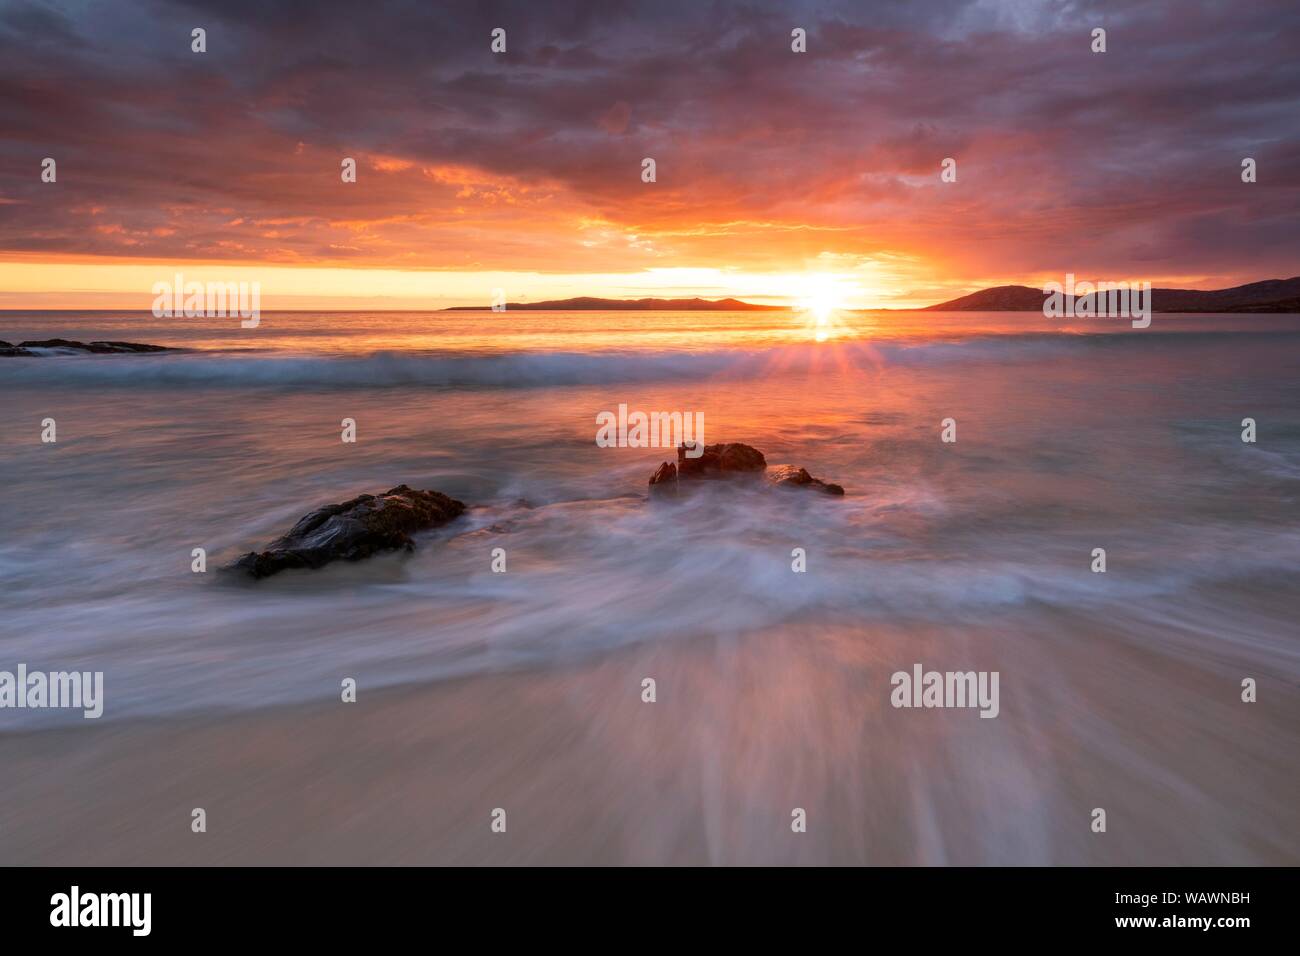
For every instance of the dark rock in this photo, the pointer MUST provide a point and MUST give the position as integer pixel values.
(731, 460)
(790, 476)
(98, 348)
(717, 460)
(664, 479)
(52, 344)
(353, 530)
(714, 462)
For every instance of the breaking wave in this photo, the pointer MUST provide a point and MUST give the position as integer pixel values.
(505, 369)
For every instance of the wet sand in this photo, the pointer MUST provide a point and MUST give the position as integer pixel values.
(743, 731)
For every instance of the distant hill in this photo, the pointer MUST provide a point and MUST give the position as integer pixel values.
(1003, 298)
(1271, 295)
(628, 305)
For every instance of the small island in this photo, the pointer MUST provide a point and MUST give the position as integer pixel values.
(593, 304)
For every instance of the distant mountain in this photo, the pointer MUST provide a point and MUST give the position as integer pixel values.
(628, 305)
(1271, 295)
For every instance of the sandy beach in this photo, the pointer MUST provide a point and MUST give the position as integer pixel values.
(739, 736)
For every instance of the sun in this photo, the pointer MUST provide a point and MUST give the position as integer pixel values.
(824, 296)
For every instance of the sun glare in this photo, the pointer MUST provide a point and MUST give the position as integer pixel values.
(823, 298)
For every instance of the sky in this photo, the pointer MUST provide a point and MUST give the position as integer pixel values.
(778, 174)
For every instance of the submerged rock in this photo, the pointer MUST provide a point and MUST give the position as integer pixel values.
(730, 460)
(353, 530)
(97, 348)
(790, 476)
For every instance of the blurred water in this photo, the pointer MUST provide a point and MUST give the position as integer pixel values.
(1066, 442)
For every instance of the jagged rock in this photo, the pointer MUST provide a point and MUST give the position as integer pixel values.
(730, 460)
(353, 530)
(97, 348)
(667, 472)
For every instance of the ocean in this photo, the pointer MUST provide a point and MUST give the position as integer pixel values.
(972, 554)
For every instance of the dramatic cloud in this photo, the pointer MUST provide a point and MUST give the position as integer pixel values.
(1113, 164)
